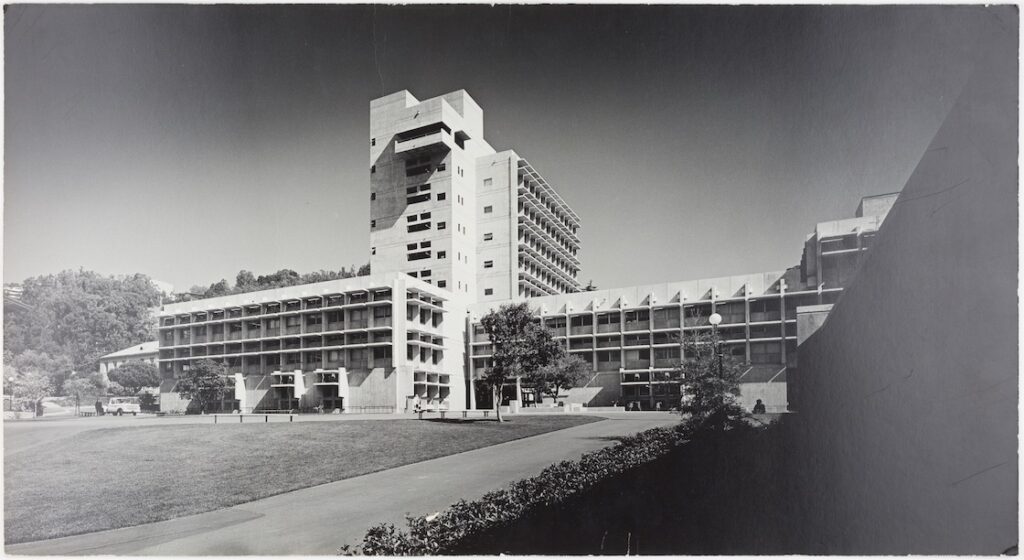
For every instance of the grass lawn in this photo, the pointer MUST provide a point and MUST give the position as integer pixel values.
(118, 477)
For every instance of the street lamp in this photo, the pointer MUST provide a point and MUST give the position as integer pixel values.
(10, 380)
(715, 319)
(77, 411)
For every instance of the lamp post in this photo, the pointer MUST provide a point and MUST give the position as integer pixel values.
(77, 412)
(10, 380)
(715, 319)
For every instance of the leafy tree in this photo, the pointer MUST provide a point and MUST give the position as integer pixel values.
(521, 346)
(203, 383)
(56, 369)
(244, 282)
(218, 289)
(563, 373)
(81, 315)
(133, 376)
(85, 388)
(28, 386)
(709, 395)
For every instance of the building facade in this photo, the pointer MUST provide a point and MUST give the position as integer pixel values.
(456, 230)
(364, 344)
(145, 352)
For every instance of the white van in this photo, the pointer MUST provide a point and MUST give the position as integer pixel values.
(122, 405)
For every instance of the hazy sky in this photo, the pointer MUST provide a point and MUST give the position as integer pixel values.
(188, 142)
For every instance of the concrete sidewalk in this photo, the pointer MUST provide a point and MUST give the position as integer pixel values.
(317, 520)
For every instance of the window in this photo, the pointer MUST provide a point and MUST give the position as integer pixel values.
(373, 141)
(442, 283)
(441, 196)
(488, 182)
(373, 169)
(373, 250)
(411, 218)
(423, 226)
(441, 225)
(373, 196)
(441, 167)
(488, 291)
(419, 256)
(488, 264)
(488, 236)
(414, 274)
(488, 209)
(425, 274)
(425, 216)
(424, 244)
(441, 254)
(410, 247)
(373, 223)
(417, 199)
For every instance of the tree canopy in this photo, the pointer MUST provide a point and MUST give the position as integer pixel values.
(133, 376)
(203, 383)
(564, 372)
(246, 281)
(709, 395)
(521, 346)
(75, 317)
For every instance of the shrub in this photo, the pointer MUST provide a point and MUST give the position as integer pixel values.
(460, 524)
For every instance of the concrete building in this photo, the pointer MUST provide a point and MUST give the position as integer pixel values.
(364, 344)
(457, 229)
(449, 210)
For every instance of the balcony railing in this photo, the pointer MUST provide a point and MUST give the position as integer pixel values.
(613, 327)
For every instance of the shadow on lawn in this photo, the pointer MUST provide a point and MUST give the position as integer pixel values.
(464, 420)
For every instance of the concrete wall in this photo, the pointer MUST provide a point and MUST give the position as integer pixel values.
(907, 432)
(500, 171)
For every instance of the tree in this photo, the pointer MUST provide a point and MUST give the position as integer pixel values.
(521, 346)
(133, 376)
(709, 395)
(56, 369)
(563, 373)
(85, 388)
(203, 383)
(364, 270)
(81, 315)
(28, 386)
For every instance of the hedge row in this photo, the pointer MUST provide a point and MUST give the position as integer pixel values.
(444, 532)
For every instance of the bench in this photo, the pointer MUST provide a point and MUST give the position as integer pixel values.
(465, 413)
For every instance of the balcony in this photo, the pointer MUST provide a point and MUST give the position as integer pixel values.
(326, 379)
(612, 327)
(637, 364)
(670, 323)
(439, 140)
(585, 329)
(635, 377)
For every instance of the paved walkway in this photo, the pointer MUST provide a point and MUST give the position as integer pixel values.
(317, 520)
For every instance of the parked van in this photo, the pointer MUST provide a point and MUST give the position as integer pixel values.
(122, 405)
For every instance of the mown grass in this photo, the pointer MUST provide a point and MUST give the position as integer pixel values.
(119, 477)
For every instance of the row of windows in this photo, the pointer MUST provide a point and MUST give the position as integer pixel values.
(309, 304)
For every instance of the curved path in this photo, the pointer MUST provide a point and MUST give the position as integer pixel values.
(317, 520)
